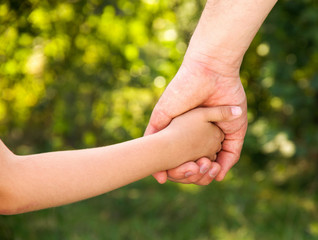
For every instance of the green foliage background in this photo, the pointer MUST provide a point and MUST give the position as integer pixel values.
(84, 73)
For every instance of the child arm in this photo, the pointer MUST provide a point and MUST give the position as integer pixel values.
(45, 180)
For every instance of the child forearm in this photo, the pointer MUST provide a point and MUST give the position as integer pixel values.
(45, 180)
(51, 179)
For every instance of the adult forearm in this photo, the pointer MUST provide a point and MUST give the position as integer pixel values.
(227, 27)
(51, 179)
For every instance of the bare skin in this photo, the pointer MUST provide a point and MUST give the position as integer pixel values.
(38, 181)
(209, 76)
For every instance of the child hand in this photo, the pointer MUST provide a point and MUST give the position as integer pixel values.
(193, 136)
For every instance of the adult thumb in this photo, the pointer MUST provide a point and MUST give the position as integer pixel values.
(221, 113)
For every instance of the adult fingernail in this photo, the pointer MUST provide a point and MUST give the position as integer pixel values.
(204, 169)
(188, 174)
(212, 173)
(236, 111)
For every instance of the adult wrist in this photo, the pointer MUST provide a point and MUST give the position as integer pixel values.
(215, 58)
(226, 29)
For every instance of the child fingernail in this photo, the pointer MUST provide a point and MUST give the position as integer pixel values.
(236, 111)
(188, 174)
(204, 169)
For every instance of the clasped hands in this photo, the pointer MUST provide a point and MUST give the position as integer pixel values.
(197, 84)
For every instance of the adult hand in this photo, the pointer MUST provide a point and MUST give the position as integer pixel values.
(209, 76)
(200, 84)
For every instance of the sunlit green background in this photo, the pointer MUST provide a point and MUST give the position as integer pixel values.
(84, 73)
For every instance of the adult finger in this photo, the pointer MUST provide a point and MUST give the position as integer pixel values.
(229, 156)
(204, 164)
(201, 179)
(210, 175)
(161, 177)
(184, 171)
